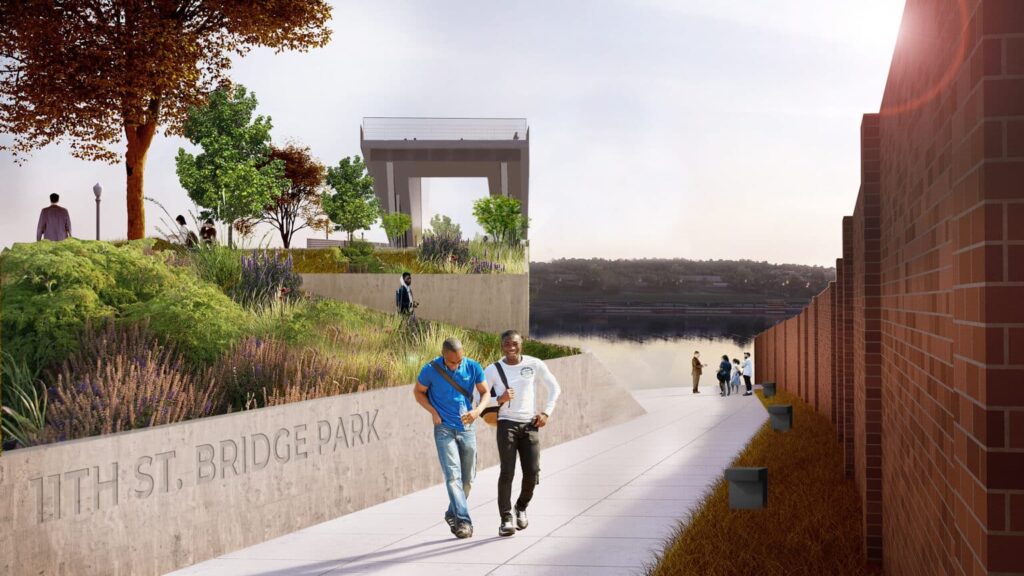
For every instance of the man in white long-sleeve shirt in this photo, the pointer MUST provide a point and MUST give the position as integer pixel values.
(513, 379)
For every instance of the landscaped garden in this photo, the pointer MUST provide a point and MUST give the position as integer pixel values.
(99, 338)
(812, 524)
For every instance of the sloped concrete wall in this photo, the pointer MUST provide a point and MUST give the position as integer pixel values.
(150, 501)
(489, 302)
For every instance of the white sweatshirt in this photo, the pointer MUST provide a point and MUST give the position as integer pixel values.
(522, 380)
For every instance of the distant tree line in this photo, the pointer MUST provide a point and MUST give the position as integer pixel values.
(663, 276)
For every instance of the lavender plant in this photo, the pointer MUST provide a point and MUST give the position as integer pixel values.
(259, 372)
(447, 248)
(266, 277)
(121, 379)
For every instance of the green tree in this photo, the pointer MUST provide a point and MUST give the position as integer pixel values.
(395, 225)
(96, 73)
(443, 226)
(353, 205)
(234, 178)
(502, 218)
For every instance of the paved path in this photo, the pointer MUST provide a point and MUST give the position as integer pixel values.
(605, 505)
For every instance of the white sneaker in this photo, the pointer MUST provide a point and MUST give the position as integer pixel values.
(507, 528)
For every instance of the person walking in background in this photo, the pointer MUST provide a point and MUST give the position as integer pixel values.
(697, 370)
(445, 390)
(734, 382)
(186, 237)
(208, 233)
(513, 379)
(54, 222)
(748, 373)
(723, 375)
(404, 301)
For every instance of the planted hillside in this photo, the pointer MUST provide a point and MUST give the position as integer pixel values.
(100, 338)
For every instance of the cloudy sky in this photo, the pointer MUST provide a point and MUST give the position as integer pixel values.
(659, 128)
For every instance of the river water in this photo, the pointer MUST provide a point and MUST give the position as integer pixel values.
(645, 355)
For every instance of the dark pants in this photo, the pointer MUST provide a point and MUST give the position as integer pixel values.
(520, 438)
(746, 379)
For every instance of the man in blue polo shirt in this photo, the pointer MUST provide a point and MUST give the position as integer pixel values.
(445, 390)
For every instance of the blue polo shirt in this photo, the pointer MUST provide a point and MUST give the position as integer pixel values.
(444, 397)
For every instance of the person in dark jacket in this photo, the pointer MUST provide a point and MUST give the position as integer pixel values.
(403, 297)
(54, 222)
(697, 370)
(724, 368)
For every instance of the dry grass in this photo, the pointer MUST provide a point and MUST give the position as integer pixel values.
(812, 525)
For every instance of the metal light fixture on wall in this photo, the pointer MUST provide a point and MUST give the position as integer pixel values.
(98, 191)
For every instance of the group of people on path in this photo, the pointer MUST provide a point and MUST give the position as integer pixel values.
(729, 374)
(457, 391)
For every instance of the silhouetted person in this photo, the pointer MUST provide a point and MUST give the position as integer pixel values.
(54, 221)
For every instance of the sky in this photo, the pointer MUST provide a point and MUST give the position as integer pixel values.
(696, 129)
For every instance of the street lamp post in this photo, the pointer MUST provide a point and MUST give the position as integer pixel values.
(97, 190)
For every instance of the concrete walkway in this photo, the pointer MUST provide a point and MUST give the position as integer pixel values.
(605, 505)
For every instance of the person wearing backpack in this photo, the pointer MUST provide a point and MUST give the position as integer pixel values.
(444, 388)
(404, 301)
(513, 380)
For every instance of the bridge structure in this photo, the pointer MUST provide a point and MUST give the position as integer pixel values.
(401, 152)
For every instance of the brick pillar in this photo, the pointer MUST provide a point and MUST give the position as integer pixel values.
(867, 335)
(847, 335)
(837, 354)
(989, 282)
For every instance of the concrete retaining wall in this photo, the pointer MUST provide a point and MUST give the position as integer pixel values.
(153, 500)
(489, 302)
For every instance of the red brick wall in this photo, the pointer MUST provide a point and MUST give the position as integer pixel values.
(916, 352)
(846, 333)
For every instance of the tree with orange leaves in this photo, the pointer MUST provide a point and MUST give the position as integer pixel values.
(96, 72)
(299, 206)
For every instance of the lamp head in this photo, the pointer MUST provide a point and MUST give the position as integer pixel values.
(97, 190)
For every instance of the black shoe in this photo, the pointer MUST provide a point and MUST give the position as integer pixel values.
(748, 393)
(464, 530)
(521, 520)
(450, 520)
(508, 527)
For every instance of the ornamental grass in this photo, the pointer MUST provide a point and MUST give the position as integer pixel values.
(811, 526)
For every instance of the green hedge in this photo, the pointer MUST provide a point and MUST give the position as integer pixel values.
(52, 290)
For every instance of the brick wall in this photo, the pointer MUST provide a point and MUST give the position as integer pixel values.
(916, 352)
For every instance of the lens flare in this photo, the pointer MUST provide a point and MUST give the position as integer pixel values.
(947, 77)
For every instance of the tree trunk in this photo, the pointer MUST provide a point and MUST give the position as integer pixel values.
(140, 136)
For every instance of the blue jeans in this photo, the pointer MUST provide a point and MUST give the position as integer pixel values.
(456, 449)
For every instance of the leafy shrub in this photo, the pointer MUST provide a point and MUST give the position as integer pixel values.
(447, 249)
(52, 289)
(321, 260)
(197, 318)
(218, 265)
(266, 277)
(395, 225)
(260, 372)
(361, 257)
(23, 414)
(502, 218)
(123, 378)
